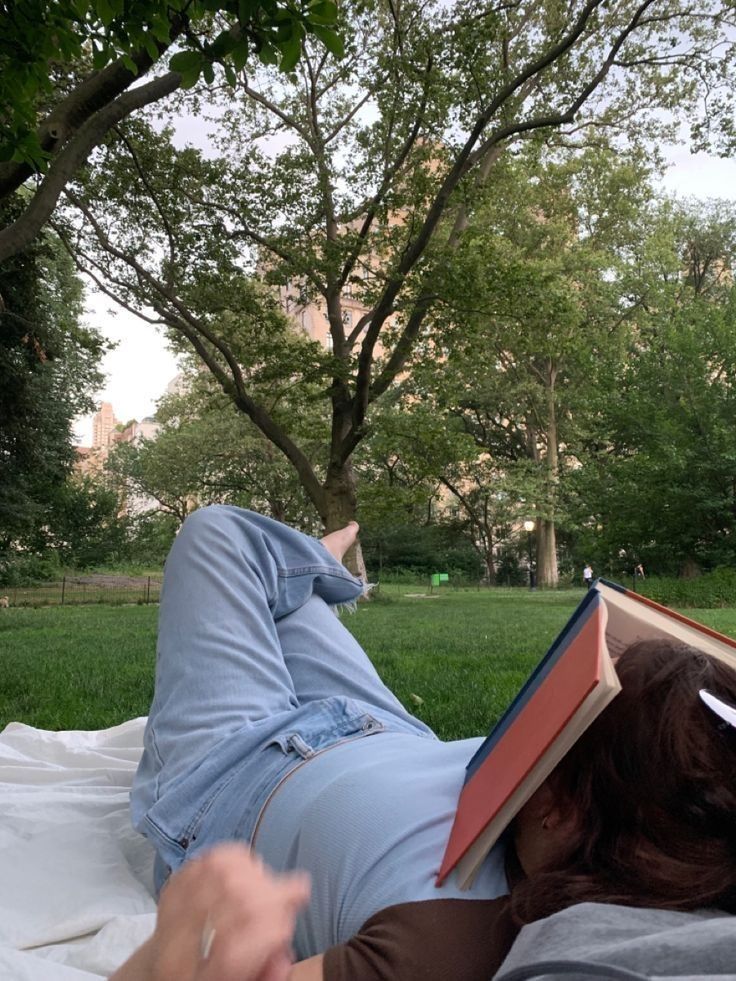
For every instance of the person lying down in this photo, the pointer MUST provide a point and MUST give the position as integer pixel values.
(269, 727)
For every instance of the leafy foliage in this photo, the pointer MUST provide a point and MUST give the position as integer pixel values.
(207, 453)
(533, 307)
(415, 552)
(358, 179)
(84, 526)
(78, 35)
(48, 371)
(711, 590)
(658, 481)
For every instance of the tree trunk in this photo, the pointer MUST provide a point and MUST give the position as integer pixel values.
(487, 539)
(547, 573)
(485, 548)
(689, 569)
(340, 508)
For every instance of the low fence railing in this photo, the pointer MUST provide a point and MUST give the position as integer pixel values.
(72, 591)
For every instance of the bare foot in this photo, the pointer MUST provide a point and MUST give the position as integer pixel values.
(338, 542)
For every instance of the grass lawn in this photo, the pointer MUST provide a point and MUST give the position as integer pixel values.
(465, 654)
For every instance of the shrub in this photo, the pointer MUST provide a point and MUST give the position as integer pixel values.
(709, 591)
(27, 569)
(418, 551)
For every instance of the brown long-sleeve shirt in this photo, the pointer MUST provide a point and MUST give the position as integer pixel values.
(433, 940)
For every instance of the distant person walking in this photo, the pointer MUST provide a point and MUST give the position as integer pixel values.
(587, 575)
(639, 572)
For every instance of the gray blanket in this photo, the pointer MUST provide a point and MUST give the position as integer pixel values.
(598, 940)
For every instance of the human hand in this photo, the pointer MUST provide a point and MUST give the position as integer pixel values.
(222, 917)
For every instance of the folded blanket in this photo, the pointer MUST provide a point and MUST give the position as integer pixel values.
(76, 894)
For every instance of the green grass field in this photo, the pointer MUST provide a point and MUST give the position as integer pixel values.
(464, 654)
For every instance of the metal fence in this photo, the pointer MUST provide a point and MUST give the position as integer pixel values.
(71, 591)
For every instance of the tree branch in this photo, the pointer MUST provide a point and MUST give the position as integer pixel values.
(285, 118)
(87, 98)
(21, 232)
(197, 333)
(365, 393)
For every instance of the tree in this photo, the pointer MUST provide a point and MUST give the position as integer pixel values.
(206, 453)
(415, 458)
(370, 187)
(84, 526)
(658, 483)
(48, 372)
(96, 50)
(535, 304)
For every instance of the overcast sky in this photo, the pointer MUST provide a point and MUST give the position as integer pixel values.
(140, 367)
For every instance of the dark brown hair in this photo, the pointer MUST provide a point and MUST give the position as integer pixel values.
(653, 783)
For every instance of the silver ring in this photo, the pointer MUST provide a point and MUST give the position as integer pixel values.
(208, 936)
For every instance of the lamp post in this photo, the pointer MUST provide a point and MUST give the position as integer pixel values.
(529, 528)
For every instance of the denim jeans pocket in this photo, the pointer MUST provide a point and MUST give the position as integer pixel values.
(315, 736)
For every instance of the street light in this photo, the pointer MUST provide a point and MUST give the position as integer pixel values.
(529, 528)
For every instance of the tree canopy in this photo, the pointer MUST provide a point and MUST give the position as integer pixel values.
(68, 68)
(48, 373)
(359, 178)
(657, 484)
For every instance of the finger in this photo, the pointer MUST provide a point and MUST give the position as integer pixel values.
(250, 937)
(246, 955)
(278, 967)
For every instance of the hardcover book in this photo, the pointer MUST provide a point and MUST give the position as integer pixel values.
(568, 689)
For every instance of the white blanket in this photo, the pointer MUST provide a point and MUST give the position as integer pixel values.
(75, 879)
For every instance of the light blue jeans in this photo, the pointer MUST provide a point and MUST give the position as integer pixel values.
(254, 674)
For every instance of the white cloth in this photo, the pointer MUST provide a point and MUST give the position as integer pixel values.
(76, 893)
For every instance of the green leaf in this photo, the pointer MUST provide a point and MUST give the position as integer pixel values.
(186, 62)
(209, 72)
(230, 75)
(129, 64)
(246, 10)
(291, 50)
(189, 79)
(105, 12)
(223, 44)
(240, 55)
(99, 58)
(150, 46)
(160, 28)
(332, 41)
(189, 64)
(322, 12)
(267, 54)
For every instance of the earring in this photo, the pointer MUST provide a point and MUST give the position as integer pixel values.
(545, 822)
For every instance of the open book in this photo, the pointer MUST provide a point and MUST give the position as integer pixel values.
(567, 690)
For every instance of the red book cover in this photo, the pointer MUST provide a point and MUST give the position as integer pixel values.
(549, 709)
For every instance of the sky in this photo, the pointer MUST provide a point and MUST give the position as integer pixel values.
(139, 369)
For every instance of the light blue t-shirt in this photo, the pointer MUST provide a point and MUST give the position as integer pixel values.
(370, 819)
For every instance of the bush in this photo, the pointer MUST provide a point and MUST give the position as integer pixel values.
(398, 576)
(416, 551)
(26, 569)
(151, 537)
(508, 570)
(709, 591)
